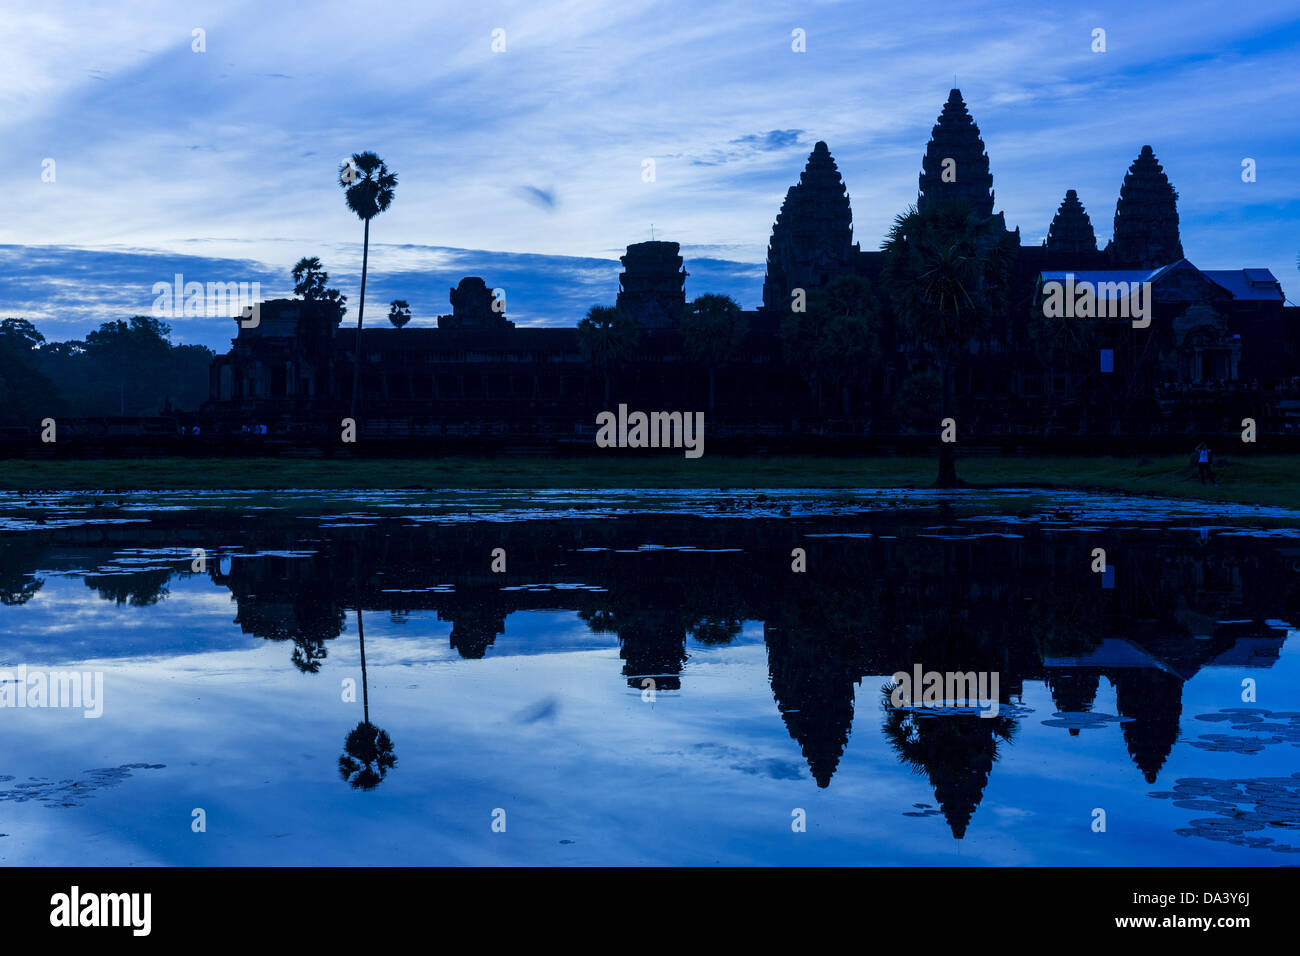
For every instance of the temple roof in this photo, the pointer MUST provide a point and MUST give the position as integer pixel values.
(540, 338)
(1242, 284)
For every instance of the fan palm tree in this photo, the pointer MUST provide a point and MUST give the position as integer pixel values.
(945, 271)
(956, 751)
(309, 278)
(399, 313)
(367, 756)
(607, 337)
(713, 328)
(369, 188)
(309, 281)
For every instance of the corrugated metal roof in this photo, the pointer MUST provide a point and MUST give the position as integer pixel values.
(1244, 284)
(1251, 284)
(1098, 277)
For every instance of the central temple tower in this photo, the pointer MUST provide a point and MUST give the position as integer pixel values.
(955, 166)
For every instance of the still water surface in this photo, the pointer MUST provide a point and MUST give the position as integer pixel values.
(522, 696)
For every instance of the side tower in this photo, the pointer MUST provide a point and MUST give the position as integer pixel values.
(1071, 230)
(652, 285)
(472, 307)
(812, 238)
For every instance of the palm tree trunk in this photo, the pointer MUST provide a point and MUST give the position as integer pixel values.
(365, 688)
(607, 388)
(712, 379)
(361, 312)
(947, 467)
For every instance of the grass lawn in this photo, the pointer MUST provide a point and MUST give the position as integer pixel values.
(1263, 479)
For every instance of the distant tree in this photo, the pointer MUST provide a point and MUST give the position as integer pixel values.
(64, 350)
(369, 188)
(141, 335)
(20, 579)
(916, 397)
(946, 272)
(310, 280)
(607, 337)
(1064, 341)
(715, 629)
(27, 393)
(835, 340)
(138, 588)
(713, 329)
(1066, 344)
(20, 334)
(128, 366)
(399, 313)
(133, 367)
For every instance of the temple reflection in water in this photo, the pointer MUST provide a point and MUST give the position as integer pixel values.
(882, 598)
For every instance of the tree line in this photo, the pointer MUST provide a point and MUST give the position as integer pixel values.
(126, 367)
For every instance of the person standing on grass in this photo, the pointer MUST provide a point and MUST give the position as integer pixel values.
(1204, 458)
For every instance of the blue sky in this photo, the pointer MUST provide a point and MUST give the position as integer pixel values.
(525, 166)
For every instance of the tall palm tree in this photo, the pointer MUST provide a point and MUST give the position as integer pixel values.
(713, 328)
(946, 273)
(607, 337)
(369, 188)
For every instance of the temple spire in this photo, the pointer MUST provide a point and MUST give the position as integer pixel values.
(1071, 229)
(812, 238)
(955, 166)
(1146, 217)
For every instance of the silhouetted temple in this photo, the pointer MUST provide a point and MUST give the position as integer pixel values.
(1220, 345)
(812, 239)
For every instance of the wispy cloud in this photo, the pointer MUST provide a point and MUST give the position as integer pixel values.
(68, 291)
(232, 153)
(544, 198)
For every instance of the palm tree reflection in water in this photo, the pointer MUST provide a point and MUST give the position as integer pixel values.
(368, 750)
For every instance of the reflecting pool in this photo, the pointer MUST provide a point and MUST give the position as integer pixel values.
(645, 677)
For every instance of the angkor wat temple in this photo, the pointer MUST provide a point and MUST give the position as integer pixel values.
(1221, 345)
